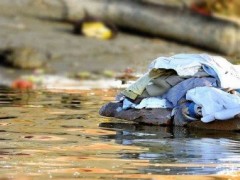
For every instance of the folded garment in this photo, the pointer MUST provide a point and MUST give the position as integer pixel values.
(152, 102)
(154, 90)
(179, 91)
(187, 65)
(184, 65)
(197, 77)
(160, 85)
(215, 103)
(137, 88)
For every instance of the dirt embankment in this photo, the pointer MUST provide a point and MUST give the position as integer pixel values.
(30, 40)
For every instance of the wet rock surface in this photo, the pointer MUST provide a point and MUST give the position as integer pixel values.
(227, 125)
(156, 116)
(162, 117)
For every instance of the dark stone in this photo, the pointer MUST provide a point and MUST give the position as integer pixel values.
(160, 116)
(110, 109)
(223, 125)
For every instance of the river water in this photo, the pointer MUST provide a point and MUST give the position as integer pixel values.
(60, 135)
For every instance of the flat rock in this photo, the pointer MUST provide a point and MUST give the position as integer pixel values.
(226, 125)
(160, 116)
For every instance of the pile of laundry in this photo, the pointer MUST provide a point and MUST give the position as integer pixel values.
(191, 86)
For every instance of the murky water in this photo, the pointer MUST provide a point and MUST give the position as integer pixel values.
(60, 135)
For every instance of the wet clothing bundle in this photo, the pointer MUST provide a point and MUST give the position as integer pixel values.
(189, 84)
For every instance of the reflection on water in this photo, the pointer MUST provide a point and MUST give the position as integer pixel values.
(60, 135)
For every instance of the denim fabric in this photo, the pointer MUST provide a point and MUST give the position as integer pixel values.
(179, 91)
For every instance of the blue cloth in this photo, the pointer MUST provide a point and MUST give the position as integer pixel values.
(179, 91)
(211, 72)
(191, 110)
(127, 104)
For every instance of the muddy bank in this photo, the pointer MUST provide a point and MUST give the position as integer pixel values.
(179, 24)
(66, 53)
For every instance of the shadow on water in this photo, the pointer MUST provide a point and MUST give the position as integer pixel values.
(174, 145)
(61, 135)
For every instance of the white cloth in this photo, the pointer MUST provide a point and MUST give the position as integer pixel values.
(189, 64)
(215, 103)
(151, 102)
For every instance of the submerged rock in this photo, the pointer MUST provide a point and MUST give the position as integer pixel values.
(23, 57)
